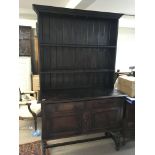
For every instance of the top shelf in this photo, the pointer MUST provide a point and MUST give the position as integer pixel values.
(76, 45)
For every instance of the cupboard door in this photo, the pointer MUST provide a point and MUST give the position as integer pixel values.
(61, 120)
(106, 114)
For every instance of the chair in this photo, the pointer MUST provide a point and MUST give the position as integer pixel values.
(28, 106)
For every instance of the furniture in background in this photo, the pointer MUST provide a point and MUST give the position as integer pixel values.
(25, 52)
(77, 67)
(36, 84)
(129, 73)
(25, 41)
(28, 106)
(28, 46)
(126, 84)
(34, 55)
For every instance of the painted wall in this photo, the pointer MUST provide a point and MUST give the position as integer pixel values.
(25, 73)
(27, 22)
(125, 48)
(113, 6)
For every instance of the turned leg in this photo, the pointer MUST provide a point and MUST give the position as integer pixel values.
(34, 116)
(35, 122)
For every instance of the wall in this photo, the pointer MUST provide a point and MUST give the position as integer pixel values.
(126, 43)
(125, 6)
(125, 48)
(27, 22)
(25, 73)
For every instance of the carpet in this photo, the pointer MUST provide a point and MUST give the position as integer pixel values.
(34, 148)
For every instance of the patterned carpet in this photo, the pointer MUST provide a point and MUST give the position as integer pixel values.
(33, 148)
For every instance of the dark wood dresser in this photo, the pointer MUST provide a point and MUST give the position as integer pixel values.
(77, 66)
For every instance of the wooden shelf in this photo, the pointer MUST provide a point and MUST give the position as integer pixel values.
(76, 46)
(78, 71)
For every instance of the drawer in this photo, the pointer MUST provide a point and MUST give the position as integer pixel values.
(105, 103)
(63, 107)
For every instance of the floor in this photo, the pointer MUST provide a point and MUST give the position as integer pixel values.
(100, 147)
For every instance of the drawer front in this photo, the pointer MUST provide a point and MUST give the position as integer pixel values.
(64, 107)
(104, 103)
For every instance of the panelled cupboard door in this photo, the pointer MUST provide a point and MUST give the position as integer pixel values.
(62, 120)
(105, 114)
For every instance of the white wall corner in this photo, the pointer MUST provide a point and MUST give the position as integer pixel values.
(27, 22)
(127, 21)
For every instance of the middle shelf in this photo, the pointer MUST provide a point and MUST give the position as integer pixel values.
(77, 71)
(77, 45)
